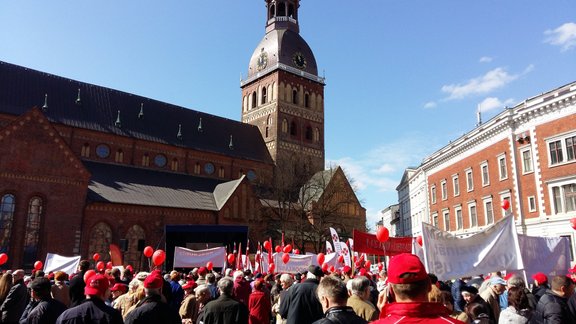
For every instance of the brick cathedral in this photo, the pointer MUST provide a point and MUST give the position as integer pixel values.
(84, 166)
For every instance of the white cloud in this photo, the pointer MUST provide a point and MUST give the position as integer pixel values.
(430, 105)
(564, 36)
(492, 80)
(491, 103)
(485, 59)
(385, 168)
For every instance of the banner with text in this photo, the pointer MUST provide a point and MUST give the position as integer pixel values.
(55, 262)
(186, 258)
(495, 248)
(368, 243)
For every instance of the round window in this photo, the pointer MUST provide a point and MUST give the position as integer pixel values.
(251, 175)
(209, 168)
(160, 160)
(103, 151)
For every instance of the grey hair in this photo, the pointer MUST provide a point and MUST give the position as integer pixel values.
(287, 278)
(225, 285)
(359, 285)
(200, 289)
(516, 281)
(134, 284)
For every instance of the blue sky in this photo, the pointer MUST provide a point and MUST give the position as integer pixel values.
(403, 78)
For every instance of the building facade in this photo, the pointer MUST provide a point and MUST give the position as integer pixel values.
(526, 155)
(83, 166)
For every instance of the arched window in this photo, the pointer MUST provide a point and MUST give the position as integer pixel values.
(272, 11)
(306, 100)
(293, 131)
(308, 133)
(7, 206)
(284, 126)
(100, 239)
(85, 150)
(32, 235)
(281, 9)
(316, 134)
(269, 120)
(295, 96)
(264, 98)
(132, 255)
(254, 100)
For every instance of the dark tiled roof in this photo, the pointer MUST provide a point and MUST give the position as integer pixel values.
(121, 184)
(22, 88)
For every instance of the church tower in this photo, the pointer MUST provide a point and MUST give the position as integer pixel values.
(283, 94)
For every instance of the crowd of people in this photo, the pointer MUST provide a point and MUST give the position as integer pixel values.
(405, 293)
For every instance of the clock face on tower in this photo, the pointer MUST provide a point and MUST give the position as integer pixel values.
(262, 61)
(299, 60)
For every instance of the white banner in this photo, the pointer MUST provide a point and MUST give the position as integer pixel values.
(186, 258)
(495, 248)
(549, 255)
(345, 251)
(55, 262)
(297, 262)
(329, 247)
(335, 240)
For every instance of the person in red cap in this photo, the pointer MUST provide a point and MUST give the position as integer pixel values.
(410, 284)
(259, 304)
(93, 309)
(540, 285)
(152, 309)
(189, 308)
(117, 290)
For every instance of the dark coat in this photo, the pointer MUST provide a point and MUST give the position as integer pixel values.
(539, 291)
(152, 310)
(301, 304)
(341, 314)
(92, 311)
(76, 290)
(552, 308)
(225, 310)
(43, 312)
(15, 303)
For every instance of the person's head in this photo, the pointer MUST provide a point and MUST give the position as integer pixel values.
(517, 298)
(360, 286)
(134, 284)
(468, 293)
(83, 266)
(228, 273)
(540, 279)
(40, 288)
(498, 285)
(202, 294)
(153, 284)
(286, 281)
(98, 286)
(314, 272)
(248, 273)
(225, 286)
(202, 271)
(383, 275)
(562, 286)
(238, 274)
(17, 275)
(118, 290)
(210, 278)
(258, 285)
(127, 274)
(60, 276)
(332, 292)
(516, 281)
(477, 311)
(115, 272)
(447, 300)
(174, 275)
(408, 278)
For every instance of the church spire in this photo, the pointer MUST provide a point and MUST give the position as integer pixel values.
(282, 14)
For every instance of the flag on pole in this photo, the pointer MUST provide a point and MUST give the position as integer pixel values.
(239, 265)
(282, 240)
(329, 248)
(248, 263)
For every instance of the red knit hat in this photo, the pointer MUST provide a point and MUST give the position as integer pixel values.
(153, 281)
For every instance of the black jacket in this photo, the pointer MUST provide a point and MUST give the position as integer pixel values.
(301, 304)
(539, 291)
(224, 310)
(42, 312)
(15, 303)
(152, 310)
(552, 309)
(341, 314)
(92, 311)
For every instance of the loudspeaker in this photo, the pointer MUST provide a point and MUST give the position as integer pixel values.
(141, 245)
(124, 245)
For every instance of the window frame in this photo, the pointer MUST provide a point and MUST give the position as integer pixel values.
(444, 189)
(566, 153)
(561, 186)
(531, 161)
(469, 180)
(459, 218)
(456, 185)
(531, 203)
(485, 175)
(433, 194)
(446, 219)
(488, 211)
(503, 174)
(473, 221)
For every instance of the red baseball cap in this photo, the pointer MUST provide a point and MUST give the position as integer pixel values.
(406, 263)
(540, 277)
(153, 281)
(96, 285)
(191, 284)
(119, 287)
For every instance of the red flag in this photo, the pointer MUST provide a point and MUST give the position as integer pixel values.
(239, 264)
(248, 263)
(270, 251)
